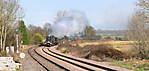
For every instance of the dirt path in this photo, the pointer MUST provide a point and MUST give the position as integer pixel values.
(29, 64)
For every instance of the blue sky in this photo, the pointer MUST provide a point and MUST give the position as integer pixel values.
(102, 14)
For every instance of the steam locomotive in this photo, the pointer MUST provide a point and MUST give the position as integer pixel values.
(50, 41)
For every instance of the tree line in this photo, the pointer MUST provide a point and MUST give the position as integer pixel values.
(10, 12)
(32, 34)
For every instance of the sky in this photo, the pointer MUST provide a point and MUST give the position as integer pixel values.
(101, 14)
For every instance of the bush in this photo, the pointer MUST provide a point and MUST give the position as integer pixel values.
(108, 37)
(104, 51)
(38, 38)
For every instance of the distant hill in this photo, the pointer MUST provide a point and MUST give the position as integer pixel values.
(111, 32)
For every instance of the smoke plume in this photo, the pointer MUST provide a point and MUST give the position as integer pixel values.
(69, 23)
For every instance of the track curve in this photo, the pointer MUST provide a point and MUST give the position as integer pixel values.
(69, 63)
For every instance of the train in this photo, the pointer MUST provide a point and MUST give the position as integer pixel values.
(50, 41)
(53, 40)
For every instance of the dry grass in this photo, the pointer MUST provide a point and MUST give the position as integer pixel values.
(101, 51)
(119, 45)
(115, 43)
(126, 47)
(123, 46)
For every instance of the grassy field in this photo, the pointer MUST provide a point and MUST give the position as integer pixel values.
(123, 46)
(136, 66)
(113, 43)
(113, 37)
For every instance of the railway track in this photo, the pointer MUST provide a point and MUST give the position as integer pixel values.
(42, 61)
(32, 53)
(68, 63)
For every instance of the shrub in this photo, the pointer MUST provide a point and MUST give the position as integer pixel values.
(38, 38)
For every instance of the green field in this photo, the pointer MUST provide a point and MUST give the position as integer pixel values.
(113, 37)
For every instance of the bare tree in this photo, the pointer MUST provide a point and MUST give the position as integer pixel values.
(89, 31)
(138, 29)
(47, 28)
(10, 12)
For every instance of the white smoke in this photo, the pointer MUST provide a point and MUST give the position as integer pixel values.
(69, 23)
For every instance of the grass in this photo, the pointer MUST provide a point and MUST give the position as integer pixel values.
(130, 65)
(17, 69)
(124, 46)
(113, 37)
(64, 51)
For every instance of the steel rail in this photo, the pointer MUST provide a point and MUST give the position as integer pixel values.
(32, 50)
(85, 61)
(70, 63)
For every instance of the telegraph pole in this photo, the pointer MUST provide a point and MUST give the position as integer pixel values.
(17, 40)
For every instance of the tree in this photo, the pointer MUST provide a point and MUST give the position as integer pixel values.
(38, 38)
(47, 28)
(108, 37)
(32, 29)
(138, 29)
(118, 38)
(11, 38)
(90, 31)
(10, 12)
(23, 32)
